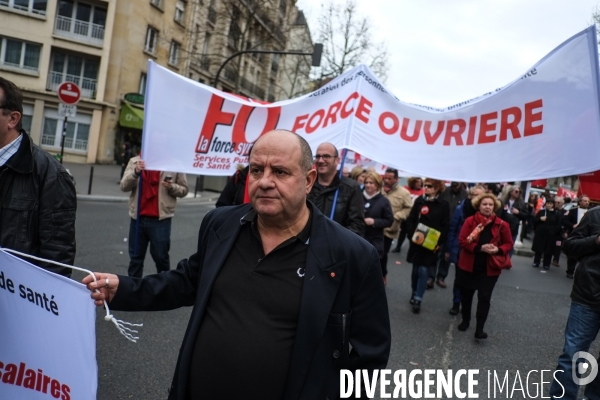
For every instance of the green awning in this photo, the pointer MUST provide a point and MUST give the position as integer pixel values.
(131, 117)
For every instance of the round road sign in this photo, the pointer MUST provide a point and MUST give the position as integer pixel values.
(69, 93)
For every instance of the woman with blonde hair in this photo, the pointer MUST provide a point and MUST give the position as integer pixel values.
(378, 215)
(483, 235)
(432, 212)
(358, 174)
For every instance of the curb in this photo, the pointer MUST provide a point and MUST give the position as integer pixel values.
(119, 199)
(95, 197)
(524, 252)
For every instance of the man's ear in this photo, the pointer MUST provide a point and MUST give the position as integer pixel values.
(311, 178)
(14, 119)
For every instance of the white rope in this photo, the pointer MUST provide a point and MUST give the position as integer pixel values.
(124, 330)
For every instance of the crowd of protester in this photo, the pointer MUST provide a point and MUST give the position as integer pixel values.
(472, 226)
(470, 229)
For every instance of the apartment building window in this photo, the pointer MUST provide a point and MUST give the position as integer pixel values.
(18, 54)
(77, 132)
(80, 21)
(156, 3)
(142, 87)
(32, 6)
(27, 117)
(179, 11)
(151, 39)
(174, 53)
(74, 68)
(275, 63)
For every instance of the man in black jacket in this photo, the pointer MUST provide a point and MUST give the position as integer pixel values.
(37, 195)
(349, 211)
(283, 297)
(234, 192)
(570, 220)
(584, 317)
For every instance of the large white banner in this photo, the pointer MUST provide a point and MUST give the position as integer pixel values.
(544, 124)
(47, 334)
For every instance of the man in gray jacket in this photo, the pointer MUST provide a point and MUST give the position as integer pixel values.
(157, 192)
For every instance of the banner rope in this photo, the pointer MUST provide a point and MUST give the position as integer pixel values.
(124, 330)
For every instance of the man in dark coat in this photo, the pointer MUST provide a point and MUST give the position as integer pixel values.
(570, 220)
(548, 230)
(280, 292)
(37, 195)
(453, 195)
(349, 203)
(584, 316)
(234, 192)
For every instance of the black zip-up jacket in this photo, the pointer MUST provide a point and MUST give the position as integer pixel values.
(233, 192)
(349, 210)
(37, 207)
(582, 244)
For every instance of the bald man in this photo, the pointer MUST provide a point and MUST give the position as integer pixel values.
(349, 207)
(280, 292)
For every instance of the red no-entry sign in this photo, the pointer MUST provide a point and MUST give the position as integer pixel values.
(69, 93)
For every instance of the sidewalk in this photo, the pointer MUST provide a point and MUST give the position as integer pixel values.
(105, 184)
(524, 250)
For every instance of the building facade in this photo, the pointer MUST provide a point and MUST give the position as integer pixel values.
(104, 47)
(42, 44)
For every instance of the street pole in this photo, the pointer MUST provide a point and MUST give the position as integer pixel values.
(62, 142)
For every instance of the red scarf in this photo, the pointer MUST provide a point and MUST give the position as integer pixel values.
(482, 222)
(149, 200)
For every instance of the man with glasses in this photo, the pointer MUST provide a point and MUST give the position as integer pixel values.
(329, 187)
(37, 195)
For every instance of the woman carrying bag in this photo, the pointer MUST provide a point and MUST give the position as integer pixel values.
(485, 241)
(429, 213)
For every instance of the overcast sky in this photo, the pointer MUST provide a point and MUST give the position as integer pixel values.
(446, 51)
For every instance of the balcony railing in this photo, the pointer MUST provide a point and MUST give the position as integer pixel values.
(79, 30)
(79, 144)
(230, 75)
(253, 88)
(212, 15)
(48, 140)
(87, 86)
(205, 63)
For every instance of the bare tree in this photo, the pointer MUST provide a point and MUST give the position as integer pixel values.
(347, 42)
(294, 76)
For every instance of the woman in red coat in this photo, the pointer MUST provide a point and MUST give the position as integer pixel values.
(481, 236)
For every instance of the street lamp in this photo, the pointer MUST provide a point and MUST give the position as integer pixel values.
(316, 57)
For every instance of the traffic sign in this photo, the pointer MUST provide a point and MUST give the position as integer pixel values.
(67, 110)
(69, 93)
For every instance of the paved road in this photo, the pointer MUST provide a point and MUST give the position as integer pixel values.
(525, 326)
